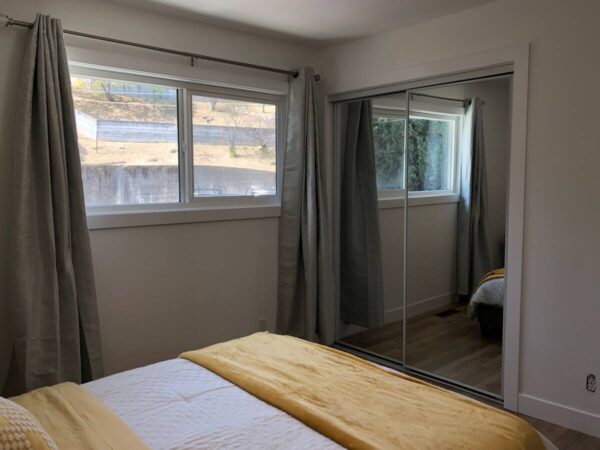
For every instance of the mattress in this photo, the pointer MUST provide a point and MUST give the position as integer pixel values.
(177, 404)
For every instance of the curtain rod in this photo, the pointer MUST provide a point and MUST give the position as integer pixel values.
(9, 21)
(463, 101)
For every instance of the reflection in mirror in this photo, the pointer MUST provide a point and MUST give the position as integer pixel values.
(371, 237)
(438, 306)
(458, 145)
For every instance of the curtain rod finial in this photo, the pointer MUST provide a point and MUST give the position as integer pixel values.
(5, 21)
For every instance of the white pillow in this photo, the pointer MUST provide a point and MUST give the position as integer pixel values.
(19, 429)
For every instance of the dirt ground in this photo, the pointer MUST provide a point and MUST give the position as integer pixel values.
(133, 153)
(208, 111)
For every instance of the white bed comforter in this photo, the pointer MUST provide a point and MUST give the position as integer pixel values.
(489, 293)
(177, 404)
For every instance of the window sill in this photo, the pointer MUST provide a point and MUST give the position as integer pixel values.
(178, 215)
(419, 200)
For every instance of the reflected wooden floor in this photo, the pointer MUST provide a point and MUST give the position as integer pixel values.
(450, 346)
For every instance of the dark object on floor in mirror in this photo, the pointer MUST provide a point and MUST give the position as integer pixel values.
(491, 321)
(447, 312)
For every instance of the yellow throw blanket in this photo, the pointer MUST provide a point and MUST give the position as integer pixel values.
(492, 275)
(75, 419)
(358, 404)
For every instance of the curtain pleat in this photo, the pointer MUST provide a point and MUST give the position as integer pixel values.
(361, 272)
(474, 250)
(305, 298)
(52, 297)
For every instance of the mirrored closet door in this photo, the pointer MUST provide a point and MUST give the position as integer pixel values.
(458, 141)
(420, 228)
(370, 225)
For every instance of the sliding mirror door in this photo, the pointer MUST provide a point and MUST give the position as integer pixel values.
(458, 147)
(370, 140)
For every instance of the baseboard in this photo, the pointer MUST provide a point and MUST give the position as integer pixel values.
(563, 415)
(420, 307)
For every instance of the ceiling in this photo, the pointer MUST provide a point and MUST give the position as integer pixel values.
(315, 23)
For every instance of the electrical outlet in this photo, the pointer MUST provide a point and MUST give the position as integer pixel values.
(591, 382)
(262, 324)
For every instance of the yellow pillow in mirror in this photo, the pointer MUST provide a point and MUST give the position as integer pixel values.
(19, 429)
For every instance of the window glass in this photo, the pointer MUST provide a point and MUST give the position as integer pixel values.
(388, 136)
(429, 159)
(234, 145)
(430, 143)
(128, 141)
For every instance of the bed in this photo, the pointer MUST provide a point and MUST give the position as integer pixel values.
(180, 404)
(203, 410)
(487, 303)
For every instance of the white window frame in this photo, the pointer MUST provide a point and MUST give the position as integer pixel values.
(393, 198)
(452, 157)
(189, 208)
(232, 200)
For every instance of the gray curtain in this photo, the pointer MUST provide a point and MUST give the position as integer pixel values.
(361, 275)
(474, 251)
(52, 299)
(305, 298)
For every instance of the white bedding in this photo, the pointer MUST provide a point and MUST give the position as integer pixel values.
(177, 404)
(489, 293)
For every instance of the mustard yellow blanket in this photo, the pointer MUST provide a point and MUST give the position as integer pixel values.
(358, 404)
(75, 419)
(492, 275)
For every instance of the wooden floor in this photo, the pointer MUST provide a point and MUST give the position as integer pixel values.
(452, 347)
(564, 438)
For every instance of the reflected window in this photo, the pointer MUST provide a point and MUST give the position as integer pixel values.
(388, 137)
(431, 159)
(431, 144)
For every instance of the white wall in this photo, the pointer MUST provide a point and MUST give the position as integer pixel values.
(431, 256)
(560, 309)
(164, 289)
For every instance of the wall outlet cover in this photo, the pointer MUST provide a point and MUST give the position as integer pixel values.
(591, 382)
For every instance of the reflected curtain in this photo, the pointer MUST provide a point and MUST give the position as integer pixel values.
(361, 273)
(52, 298)
(474, 250)
(305, 296)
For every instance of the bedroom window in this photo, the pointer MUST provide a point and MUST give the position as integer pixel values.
(234, 147)
(128, 141)
(432, 143)
(150, 145)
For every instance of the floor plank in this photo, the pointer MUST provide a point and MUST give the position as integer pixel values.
(451, 347)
